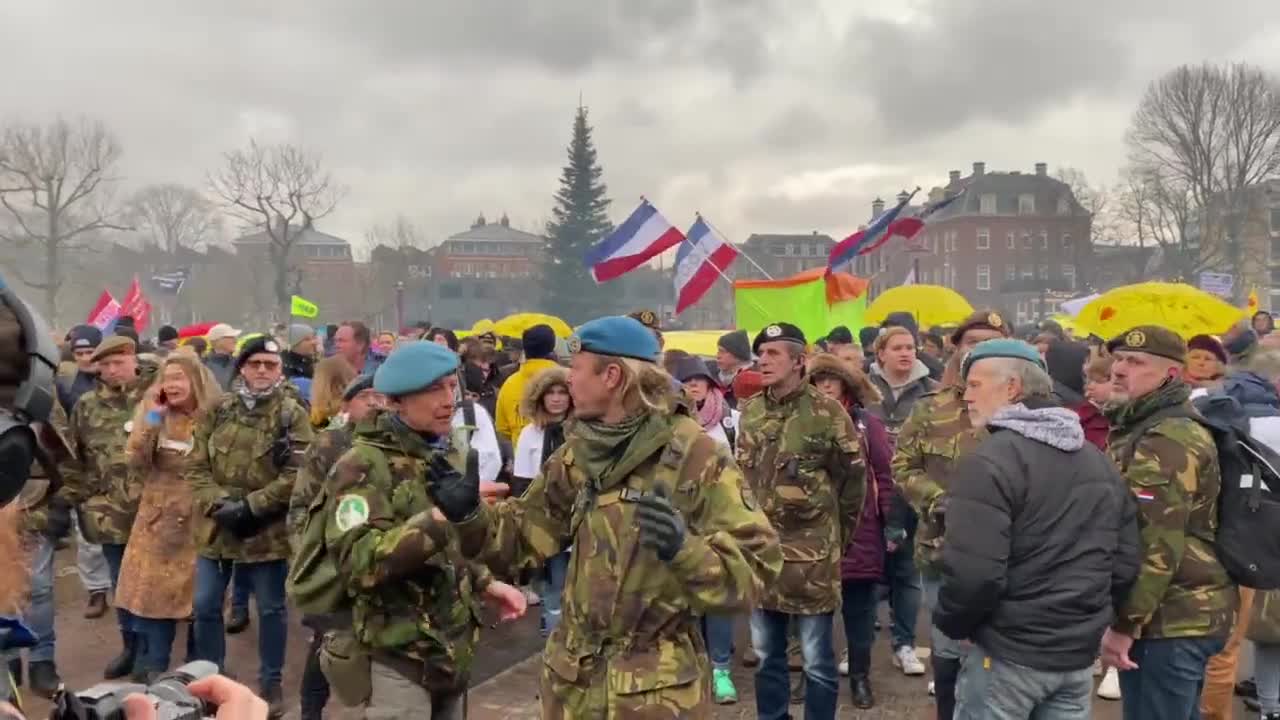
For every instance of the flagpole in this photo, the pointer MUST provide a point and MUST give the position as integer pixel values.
(741, 252)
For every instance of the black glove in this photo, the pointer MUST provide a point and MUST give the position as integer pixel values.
(457, 495)
(281, 451)
(662, 527)
(57, 524)
(236, 517)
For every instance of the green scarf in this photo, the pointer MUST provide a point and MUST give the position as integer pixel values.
(608, 453)
(1171, 393)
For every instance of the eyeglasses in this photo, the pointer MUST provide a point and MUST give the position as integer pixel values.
(262, 364)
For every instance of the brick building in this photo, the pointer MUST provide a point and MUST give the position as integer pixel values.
(321, 269)
(1012, 240)
(782, 255)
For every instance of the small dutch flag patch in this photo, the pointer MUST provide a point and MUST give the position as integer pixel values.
(1145, 496)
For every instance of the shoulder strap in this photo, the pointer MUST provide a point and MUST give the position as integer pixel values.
(469, 413)
(1142, 428)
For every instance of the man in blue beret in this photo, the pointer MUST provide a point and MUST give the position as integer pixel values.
(397, 564)
(1040, 547)
(661, 529)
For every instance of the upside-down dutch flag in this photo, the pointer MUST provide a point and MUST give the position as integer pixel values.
(640, 238)
(104, 312)
(849, 248)
(702, 257)
(908, 227)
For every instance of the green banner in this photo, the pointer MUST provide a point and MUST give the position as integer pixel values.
(803, 304)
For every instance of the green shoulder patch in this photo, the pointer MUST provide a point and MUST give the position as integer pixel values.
(352, 512)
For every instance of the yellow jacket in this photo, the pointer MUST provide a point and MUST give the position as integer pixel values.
(509, 421)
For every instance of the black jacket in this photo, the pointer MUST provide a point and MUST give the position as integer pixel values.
(296, 366)
(1041, 543)
(69, 391)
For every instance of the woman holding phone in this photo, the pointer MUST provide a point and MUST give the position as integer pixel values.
(157, 575)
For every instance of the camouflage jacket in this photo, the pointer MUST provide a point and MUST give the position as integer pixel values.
(96, 477)
(36, 494)
(802, 456)
(1172, 468)
(232, 459)
(936, 434)
(630, 620)
(413, 595)
(326, 447)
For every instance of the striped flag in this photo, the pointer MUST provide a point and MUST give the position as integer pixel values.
(640, 238)
(702, 257)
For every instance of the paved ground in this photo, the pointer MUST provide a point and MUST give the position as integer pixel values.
(506, 678)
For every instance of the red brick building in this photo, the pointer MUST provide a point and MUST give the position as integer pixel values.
(1014, 239)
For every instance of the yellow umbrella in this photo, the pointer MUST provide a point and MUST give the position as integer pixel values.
(1182, 308)
(481, 327)
(694, 342)
(930, 304)
(515, 325)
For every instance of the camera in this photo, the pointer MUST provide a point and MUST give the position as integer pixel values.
(168, 694)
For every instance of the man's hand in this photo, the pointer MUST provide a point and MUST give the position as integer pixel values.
(492, 492)
(234, 701)
(236, 517)
(1115, 650)
(457, 495)
(507, 600)
(57, 524)
(662, 527)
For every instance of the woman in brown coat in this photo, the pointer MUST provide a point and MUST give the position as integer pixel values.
(157, 575)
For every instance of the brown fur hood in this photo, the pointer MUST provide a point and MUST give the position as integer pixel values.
(855, 381)
(537, 386)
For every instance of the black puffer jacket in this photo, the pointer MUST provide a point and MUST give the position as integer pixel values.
(1041, 542)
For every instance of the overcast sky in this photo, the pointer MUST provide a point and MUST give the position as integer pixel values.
(766, 115)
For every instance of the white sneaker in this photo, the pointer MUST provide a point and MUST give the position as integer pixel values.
(1097, 668)
(843, 667)
(905, 658)
(1109, 688)
(930, 688)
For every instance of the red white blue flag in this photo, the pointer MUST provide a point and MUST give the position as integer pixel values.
(849, 248)
(640, 238)
(908, 227)
(104, 312)
(702, 257)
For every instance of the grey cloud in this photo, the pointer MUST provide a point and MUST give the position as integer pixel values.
(798, 126)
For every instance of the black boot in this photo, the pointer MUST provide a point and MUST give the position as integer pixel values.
(42, 678)
(15, 671)
(275, 701)
(861, 687)
(122, 664)
(945, 672)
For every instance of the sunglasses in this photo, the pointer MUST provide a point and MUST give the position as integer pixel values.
(262, 364)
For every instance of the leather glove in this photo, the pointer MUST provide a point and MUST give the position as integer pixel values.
(236, 517)
(281, 452)
(662, 526)
(57, 524)
(457, 495)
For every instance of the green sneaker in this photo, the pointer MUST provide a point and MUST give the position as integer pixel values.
(722, 687)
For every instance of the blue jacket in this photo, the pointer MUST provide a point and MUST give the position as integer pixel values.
(1258, 397)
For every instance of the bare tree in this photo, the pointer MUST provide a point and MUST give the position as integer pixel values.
(175, 216)
(55, 183)
(1205, 135)
(400, 234)
(272, 187)
(1161, 212)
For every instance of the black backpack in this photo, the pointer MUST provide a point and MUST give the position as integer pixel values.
(1248, 539)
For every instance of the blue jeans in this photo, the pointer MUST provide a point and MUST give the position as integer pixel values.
(943, 646)
(773, 686)
(115, 557)
(556, 569)
(267, 580)
(717, 631)
(994, 689)
(240, 586)
(1266, 664)
(40, 612)
(1169, 678)
(158, 643)
(904, 593)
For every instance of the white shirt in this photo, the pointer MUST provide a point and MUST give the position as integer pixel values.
(527, 460)
(485, 441)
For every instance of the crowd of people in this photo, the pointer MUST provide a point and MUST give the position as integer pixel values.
(1051, 501)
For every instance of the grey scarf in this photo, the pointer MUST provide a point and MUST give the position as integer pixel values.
(251, 398)
(1054, 426)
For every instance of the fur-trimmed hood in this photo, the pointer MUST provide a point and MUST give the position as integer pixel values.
(855, 381)
(537, 386)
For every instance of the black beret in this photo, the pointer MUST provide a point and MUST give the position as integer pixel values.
(258, 345)
(778, 332)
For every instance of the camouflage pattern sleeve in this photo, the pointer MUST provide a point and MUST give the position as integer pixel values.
(315, 466)
(273, 499)
(1157, 477)
(370, 545)
(71, 468)
(908, 459)
(731, 552)
(523, 532)
(848, 473)
(199, 471)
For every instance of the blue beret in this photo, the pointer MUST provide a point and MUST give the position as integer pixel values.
(619, 336)
(412, 367)
(1002, 347)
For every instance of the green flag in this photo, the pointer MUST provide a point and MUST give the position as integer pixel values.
(302, 307)
(809, 300)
